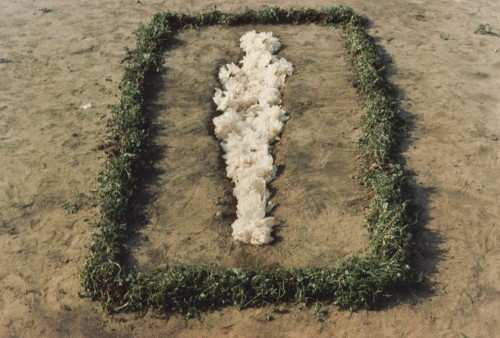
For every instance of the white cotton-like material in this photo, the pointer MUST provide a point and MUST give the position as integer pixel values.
(250, 99)
(253, 41)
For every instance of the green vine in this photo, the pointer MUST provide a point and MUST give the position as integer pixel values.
(356, 283)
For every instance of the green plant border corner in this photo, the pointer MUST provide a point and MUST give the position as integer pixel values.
(355, 283)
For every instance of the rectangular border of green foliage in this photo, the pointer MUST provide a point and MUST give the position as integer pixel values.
(355, 283)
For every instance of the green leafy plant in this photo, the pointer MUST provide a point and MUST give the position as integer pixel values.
(483, 28)
(70, 208)
(46, 10)
(355, 283)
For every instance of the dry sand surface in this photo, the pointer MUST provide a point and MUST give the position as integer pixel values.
(51, 150)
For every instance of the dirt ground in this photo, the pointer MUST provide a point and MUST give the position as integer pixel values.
(57, 56)
(315, 197)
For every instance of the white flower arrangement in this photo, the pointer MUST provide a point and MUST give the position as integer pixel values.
(252, 119)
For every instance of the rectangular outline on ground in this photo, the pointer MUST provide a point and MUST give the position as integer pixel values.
(355, 283)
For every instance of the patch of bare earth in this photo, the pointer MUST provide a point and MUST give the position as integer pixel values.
(191, 207)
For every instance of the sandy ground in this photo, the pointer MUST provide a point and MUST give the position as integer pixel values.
(53, 62)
